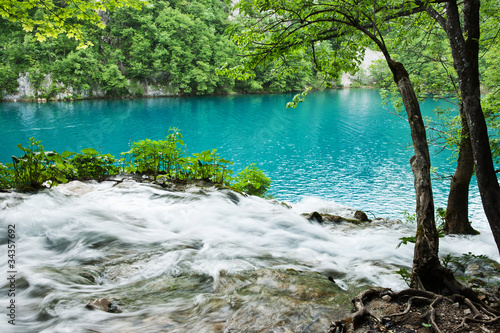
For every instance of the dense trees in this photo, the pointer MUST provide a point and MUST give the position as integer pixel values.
(172, 46)
(49, 18)
(462, 26)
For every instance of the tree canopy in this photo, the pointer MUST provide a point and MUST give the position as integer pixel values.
(50, 18)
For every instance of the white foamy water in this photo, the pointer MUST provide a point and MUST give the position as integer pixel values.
(177, 261)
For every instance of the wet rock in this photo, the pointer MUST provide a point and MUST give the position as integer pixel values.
(334, 218)
(386, 298)
(103, 304)
(315, 216)
(361, 216)
(474, 270)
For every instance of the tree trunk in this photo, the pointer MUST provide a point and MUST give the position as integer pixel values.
(427, 272)
(465, 54)
(457, 211)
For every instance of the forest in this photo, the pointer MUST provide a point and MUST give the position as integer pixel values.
(173, 46)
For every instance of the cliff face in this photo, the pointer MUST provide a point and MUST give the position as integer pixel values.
(50, 90)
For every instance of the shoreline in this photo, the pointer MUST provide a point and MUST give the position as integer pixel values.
(132, 97)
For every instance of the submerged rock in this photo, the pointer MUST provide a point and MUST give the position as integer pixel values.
(314, 216)
(103, 304)
(361, 216)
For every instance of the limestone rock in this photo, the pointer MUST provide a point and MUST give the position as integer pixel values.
(315, 216)
(103, 304)
(361, 216)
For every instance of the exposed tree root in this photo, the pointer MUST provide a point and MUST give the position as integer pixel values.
(433, 310)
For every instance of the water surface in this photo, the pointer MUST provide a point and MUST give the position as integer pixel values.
(339, 145)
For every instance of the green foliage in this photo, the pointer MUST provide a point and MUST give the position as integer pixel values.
(460, 262)
(113, 81)
(90, 164)
(208, 165)
(412, 218)
(252, 180)
(175, 46)
(405, 275)
(161, 158)
(5, 177)
(440, 218)
(297, 99)
(166, 158)
(50, 18)
(36, 167)
(157, 157)
(8, 79)
(409, 218)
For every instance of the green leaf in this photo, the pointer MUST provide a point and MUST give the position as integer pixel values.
(89, 151)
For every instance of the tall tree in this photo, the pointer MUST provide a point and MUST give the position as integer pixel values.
(334, 33)
(428, 58)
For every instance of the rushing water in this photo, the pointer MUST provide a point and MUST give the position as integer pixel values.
(208, 260)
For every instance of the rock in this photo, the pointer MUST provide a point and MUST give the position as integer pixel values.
(361, 216)
(103, 304)
(474, 270)
(386, 298)
(315, 216)
(334, 218)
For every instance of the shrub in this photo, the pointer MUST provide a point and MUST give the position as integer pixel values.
(37, 166)
(90, 164)
(208, 165)
(5, 177)
(157, 157)
(252, 180)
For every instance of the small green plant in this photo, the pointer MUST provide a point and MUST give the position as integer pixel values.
(208, 165)
(405, 275)
(157, 157)
(460, 262)
(36, 167)
(5, 177)
(412, 218)
(90, 164)
(440, 217)
(252, 180)
(163, 158)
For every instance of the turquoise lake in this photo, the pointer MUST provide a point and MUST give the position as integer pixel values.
(339, 145)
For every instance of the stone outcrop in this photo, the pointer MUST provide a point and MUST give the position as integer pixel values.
(359, 216)
(58, 91)
(103, 304)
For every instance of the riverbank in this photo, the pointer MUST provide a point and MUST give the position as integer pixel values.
(49, 89)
